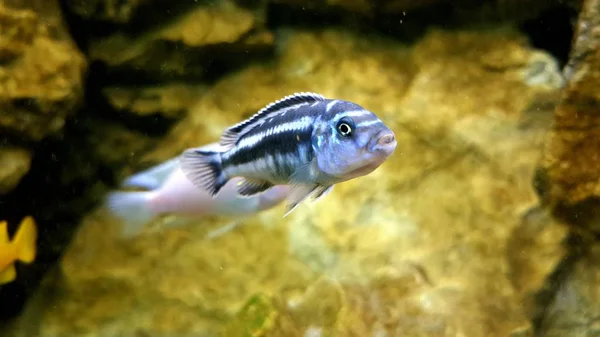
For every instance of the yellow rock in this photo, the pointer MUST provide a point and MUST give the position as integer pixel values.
(41, 69)
(16, 162)
(187, 45)
(567, 180)
(424, 246)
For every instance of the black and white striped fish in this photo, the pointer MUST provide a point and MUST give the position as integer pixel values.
(304, 140)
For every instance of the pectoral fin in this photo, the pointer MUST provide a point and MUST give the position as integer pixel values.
(298, 193)
(303, 186)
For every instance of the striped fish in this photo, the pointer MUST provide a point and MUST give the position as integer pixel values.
(303, 140)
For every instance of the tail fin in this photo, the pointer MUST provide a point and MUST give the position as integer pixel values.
(203, 168)
(25, 240)
(4, 232)
(8, 275)
(132, 208)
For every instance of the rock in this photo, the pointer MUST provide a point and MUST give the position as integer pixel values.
(509, 10)
(108, 10)
(123, 12)
(514, 10)
(114, 145)
(567, 179)
(256, 317)
(171, 100)
(15, 164)
(41, 74)
(533, 249)
(567, 183)
(575, 307)
(207, 36)
(418, 246)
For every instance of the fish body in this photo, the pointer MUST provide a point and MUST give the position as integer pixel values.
(303, 140)
(21, 248)
(170, 192)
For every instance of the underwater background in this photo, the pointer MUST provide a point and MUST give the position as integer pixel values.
(484, 221)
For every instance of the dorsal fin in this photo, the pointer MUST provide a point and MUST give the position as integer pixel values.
(231, 135)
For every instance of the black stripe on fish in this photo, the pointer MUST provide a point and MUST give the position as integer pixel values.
(283, 143)
(231, 136)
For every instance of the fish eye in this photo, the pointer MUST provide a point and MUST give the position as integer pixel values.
(345, 127)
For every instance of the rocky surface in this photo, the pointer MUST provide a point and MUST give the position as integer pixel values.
(160, 70)
(409, 19)
(41, 69)
(108, 10)
(568, 176)
(210, 34)
(15, 164)
(171, 100)
(567, 181)
(445, 239)
(123, 12)
(575, 308)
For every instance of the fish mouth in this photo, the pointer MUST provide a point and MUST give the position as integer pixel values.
(384, 141)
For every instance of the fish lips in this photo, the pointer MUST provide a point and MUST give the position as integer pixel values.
(384, 141)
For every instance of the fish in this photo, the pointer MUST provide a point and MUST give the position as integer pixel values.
(303, 140)
(22, 248)
(168, 191)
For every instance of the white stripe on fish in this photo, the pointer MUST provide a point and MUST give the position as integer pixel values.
(368, 123)
(354, 113)
(331, 104)
(248, 142)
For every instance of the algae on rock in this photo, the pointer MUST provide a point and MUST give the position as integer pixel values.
(109, 10)
(421, 250)
(187, 45)
(567, 179)
(575, 307)
(457, 10)
(16, 162)
(171, 100)
(568, 185)
(159, 70)
(42, 73)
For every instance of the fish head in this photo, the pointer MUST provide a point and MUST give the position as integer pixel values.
(351, 141)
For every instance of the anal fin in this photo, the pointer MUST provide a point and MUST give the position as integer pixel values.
(248, 187)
